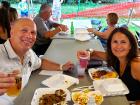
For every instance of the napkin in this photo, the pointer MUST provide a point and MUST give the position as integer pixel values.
(60, 81)
(50, 72)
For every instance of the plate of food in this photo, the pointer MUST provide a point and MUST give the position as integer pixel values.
(50, 96)
(111, 87)
(102, 73)
(82, 97)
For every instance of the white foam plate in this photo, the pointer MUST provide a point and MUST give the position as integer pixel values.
(81, 31)
(41, 91)
(96, 94)
(111, 87)
(60, 81)
(82, 37)
(63, 33)
(92, 70)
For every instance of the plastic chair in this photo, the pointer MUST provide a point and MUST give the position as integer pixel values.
(96, 22)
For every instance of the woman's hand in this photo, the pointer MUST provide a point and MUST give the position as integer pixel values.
(90, 30)
(83, 53)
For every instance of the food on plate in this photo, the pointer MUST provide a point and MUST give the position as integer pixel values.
(82, 97)
(111, 75)
(99, 73)
(57, 98)
(60, 92)
(98, 97)
(103, 74)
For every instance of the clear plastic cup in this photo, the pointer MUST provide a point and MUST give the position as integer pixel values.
(83, 61)
(80, 71)
(16, 89)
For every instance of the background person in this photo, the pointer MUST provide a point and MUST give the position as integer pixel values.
(5, 4)
(17, 51)
(111, 19)
(122, 54)
(4, 25)
(13, 15)
(23, 7)
(56, 10)
(46, 29)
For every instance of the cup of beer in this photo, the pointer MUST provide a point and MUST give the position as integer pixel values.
(16, 89)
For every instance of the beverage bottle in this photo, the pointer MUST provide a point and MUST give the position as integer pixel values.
(72, 28)
(91, 101)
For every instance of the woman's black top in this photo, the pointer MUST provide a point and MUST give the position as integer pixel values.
(132, 84)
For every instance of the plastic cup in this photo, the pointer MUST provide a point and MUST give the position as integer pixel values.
(83, 61)
(16, 89)
(80, 71)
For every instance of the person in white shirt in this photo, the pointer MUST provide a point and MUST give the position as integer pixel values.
(56, 10)
(17, 52)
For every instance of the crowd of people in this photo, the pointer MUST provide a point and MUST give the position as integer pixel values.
(22, 40)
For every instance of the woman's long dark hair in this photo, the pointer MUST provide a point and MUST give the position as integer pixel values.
(4, 20)
(111, 58)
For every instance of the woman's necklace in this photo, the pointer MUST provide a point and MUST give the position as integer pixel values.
(121, 72)
(122, 68)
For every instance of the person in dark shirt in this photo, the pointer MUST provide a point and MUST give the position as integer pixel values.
(122, 54)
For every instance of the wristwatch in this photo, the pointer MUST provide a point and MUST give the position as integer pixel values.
(61, 67)
(90, 50)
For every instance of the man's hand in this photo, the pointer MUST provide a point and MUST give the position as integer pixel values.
(68, 66)
(5, 82)
(63, 27)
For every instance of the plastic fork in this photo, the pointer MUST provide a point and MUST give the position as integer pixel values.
(83, 87)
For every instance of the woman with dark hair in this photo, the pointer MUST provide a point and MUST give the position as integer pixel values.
(13, 15)
(5, 4)
(122, 54)
(4, 25)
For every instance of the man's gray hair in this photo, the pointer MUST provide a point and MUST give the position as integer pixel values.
(44, 7)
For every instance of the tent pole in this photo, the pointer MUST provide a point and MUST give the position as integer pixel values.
(131, 10)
